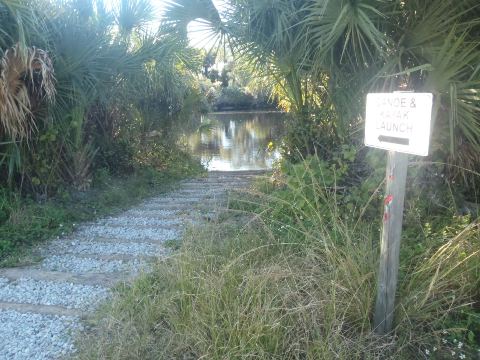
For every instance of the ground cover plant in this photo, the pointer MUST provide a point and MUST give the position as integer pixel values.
(290, 273)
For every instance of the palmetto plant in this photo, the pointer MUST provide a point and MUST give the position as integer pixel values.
(132, 15)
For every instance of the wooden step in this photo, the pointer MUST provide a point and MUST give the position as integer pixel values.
(41, 309)
(101, 279)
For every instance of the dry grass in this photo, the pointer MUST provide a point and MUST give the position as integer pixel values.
(26, 77)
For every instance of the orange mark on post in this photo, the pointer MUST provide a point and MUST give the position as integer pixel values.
(388, 200)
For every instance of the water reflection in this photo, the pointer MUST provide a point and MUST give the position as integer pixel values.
(237, 141)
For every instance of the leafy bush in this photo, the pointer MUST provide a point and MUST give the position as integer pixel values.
(232, 98)
(116, 156)
(310, 133)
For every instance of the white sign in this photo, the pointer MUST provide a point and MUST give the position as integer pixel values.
(399, 122)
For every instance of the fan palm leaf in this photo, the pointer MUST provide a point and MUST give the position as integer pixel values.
(349, 29)
(23, 80)
(457, 85)
(180, 13)
(134, 15)
(18, 22)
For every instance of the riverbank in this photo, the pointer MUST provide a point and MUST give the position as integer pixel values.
(251, 111)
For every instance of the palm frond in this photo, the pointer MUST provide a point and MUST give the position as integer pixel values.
(21, 81)
(344, 28)
(457, 85)
(134, 14)
(180, 13)
(18, 22)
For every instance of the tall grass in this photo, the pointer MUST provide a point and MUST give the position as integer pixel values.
(295, 279)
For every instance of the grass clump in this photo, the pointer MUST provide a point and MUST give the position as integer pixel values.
(294, 277)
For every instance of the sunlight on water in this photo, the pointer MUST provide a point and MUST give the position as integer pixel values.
(237, 140)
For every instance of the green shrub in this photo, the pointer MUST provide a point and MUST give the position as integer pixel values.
(232, 98)
(116, 156)
(310, 132)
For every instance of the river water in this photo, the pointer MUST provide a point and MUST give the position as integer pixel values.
(231, 141)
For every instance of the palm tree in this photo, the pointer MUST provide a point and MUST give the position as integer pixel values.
(416, 45)
(104, 69)
(26, 73)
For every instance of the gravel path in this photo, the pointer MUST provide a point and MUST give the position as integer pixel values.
(41, 306)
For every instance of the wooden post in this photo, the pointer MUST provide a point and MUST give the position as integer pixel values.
(390, 245)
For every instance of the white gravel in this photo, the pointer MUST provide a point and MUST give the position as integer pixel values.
(129, 232)
(181, 200)
(89, 247)
(51, 293)
(155, 214)
(159, 214)
(74, 264)
(29, 336)
(142, 221)
(207, 192)
(181, 206)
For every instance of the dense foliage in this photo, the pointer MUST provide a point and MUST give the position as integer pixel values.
(86, 92)
(85, 87)
(234, 87)
(322, 57)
